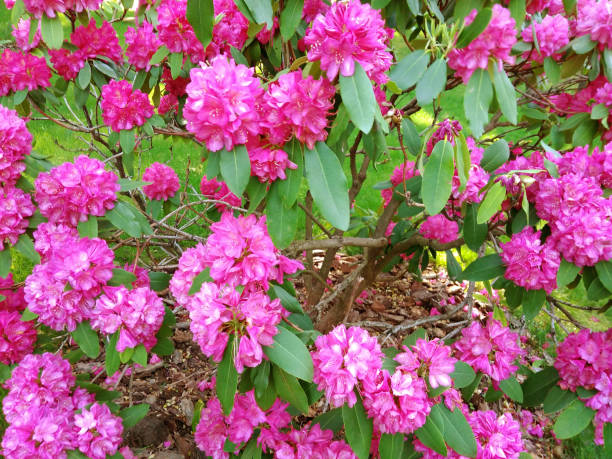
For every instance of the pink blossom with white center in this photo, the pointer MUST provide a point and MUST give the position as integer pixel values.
(165, 182)
(220, 107)
(93, 41)
(124, 107)
(15, 209)
(594, 18)
(15, 144)
(99, 431)
(137, 314)
(552, 35)
(439, 228)
(21, 32)
(142, 44)
(350, 32)
(433, 359)
(70, 192)
(269, 164)
(344, 358)
(495, 42)
(491, 349)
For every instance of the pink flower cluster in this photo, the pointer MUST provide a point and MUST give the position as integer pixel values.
(175, 31)
(124, 107)
(439, 228)
(17, 338)
(62, 289)
(21, 33)
(431, 359)
(602, 403)
(400, 174)
(309, 441)
(70, 192)
(19, 71)
(221, 99)
(164, 182)
(231, 30)
(38, 8)
(137, 314)
(495, 42)
(142, 43)
(15, 209)
(491, 349)
(529, 263)
(343, 359)
(269, 164)
(67, 64)
(446, 130)
(594, 18)
(13, 296)
(15, 144)
(350, 32)
(93, 41)
(49, 416)
(552, 34)
(219, 191)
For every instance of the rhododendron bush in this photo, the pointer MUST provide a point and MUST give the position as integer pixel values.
(289, 108)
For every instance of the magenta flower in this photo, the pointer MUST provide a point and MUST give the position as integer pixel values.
(219, 191)
(21, 32)
(175, 31)
(552, 35)
(67, 64)
(491, 349)
(432, 359)
(497, 437)
(439, 228)
(495, 42)
(47, 7)
(400, 174)
(231, 30)
(312, 8)
(99, 431)
(594, 18)
(50, 236)
(221, 99)
(165, 182)
(142, 44)
(190, 265)
(269, 164)
(476, 181)
(94, 42)
(447, 130)
(344, 358)
(297, 106)
(124, 107)
(309, 441)
(15, 144)
(350, 32)
(17, 338)
(19, 71)
(137, 314)
(15, 209)
(14, 300)
(70, 192)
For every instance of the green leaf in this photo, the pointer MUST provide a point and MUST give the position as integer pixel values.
(573, 420)
(281, 220)
(495, 155)
(28, 315)
(484, 268)
(607, 434)
(290, 187)
(201, 16)
(411, 137)
(132, 415)
(256, 192)
(463, 161)
(532, 303)
(391, 446)
(474, 233)
(537, 385)
(102, 395)
(289, 302)
(358, 98)
(129, 185)
(330, 420)
(452, 265)
(553, 70)
(505, 94)
(204, 276)
(163, 51)
(476, 27)
(290, 354)
(164, 346)
(596, 291)
(557, 399)
(52, 31)
(140, 355)
(604, 271)
(106, 70)
(25, 246)
(437, 181)
(127, 140)
(412, 338)
(227, 377)
(599, 112)
(410, 69)
(88, 228)
(583, 44)
(432, 82)
(358, 429)
(176, 64)
(126, 355)
(517, 11)
(122, 277)
(159, 281)
(457, 432)
(567, 273)
(84, 76)
(468, 391)
(235, 167)
(288, 388)
(477, 99)
(262, 11)
(430, 435)
(492, 202)
(512, 389)
(112, 362)
(463, 375)
(87, 339)
(290, 18)
(328, 185)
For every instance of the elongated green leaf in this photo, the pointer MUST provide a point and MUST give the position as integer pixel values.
(112, 362)
(484, 268)
(492, 202)
(463, 375)
(176, 64)
(87, 339)
(452, 265)
(358, 428)
(573, 420)
(256, 192)
(288, 388)
(289, 302)
(431, 83)
(431, 436)
(517, 10)
(235, 167)
(607, 434)
(132, 415)
(162, 52)
(227, 377)
(557, 399)
(164, 346)
(290, 18)
(330, 420)
(512, 389)
(552, 69)
(477, 99)
(476, 27)
(204, 276)
(328, 185)
(567, 273)
(474, 233)
(532, 303)
(52, 31)
(505, 94)
(410, 69)
(201, 15)
(84, 76)
(290, 187)
(281, 220)
(536, 387)
(159, 281)
(411, 137)
(358, 98)
(122, 277)
(88, 228)
(261, 11)
(25, 246)
(495, 155)
(140, 355)
(391, 446)
(437, 181)
(290, 354)
(604, 271)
